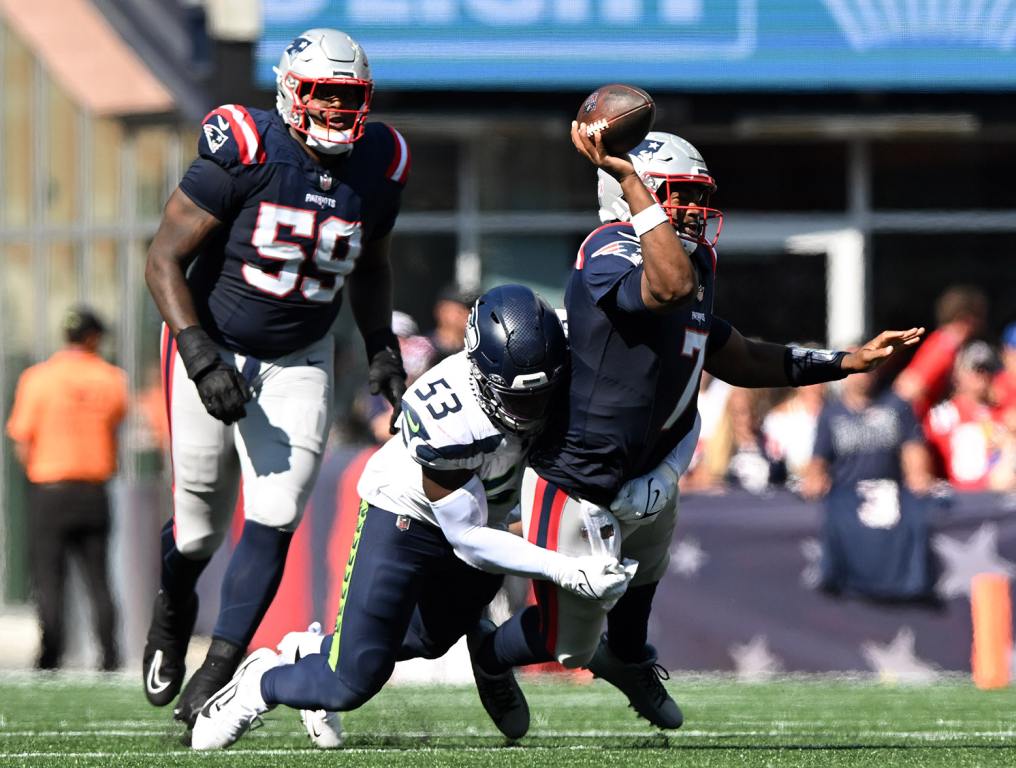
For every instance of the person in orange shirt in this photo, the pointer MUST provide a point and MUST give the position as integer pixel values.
(64, 423)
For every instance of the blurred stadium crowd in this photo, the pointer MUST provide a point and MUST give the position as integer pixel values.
(959, 388)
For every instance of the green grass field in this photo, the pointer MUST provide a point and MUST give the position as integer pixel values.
(105, 722)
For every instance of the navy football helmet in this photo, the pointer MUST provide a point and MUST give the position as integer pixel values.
(519, 356)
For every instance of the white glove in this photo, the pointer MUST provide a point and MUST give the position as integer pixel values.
(644, 497)
(596, 577)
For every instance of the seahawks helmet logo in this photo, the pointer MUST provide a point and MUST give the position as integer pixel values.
(472, 335)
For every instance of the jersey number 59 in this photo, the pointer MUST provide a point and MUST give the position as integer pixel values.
(336, 247)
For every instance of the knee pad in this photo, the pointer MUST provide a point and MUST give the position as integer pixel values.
(279, 508)
(199, 546)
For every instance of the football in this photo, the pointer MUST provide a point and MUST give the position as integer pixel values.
(621, 114)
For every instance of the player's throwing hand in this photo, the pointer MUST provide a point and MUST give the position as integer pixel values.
(871, 355)
(593, 150)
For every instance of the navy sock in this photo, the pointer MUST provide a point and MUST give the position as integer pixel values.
(179, 574)
(628, 623)
(253, 576)
(309, 684)
(516, 643)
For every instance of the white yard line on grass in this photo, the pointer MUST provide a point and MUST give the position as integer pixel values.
(840, 736)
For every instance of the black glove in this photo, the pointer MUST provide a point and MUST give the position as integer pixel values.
(222, 389)
(386, 375)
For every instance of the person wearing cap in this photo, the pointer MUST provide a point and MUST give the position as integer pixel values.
(1004, 385)
(975, 450)
(451, 310)
(64, 426)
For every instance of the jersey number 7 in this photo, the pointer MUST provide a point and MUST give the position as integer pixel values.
(694, 346)
(336, 247)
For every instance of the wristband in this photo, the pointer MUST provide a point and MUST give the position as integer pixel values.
(805, 366)
(381, 339)
(648, 219)
(197, 350)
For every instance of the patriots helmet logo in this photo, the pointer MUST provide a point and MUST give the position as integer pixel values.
(297, 46)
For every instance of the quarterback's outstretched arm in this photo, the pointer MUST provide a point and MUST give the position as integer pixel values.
(184, 227)
(750, 363)
(460, 506)
(668, 276)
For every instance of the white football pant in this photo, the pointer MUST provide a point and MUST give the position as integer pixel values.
(553, 519)
(275, 449)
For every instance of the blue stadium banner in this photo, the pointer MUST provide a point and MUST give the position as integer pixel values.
(674, 45)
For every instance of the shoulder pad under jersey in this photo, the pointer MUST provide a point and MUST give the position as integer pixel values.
(442, 424)
(614, 239)
(388, 148)
(232, 135)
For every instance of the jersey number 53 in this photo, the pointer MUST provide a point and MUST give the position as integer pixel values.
(336, 247)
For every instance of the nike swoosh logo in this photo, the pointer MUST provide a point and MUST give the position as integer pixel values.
(656, 496)
(648, 505)
(313, 726)
(155, 685)
(314, 362)
(227, 696)
(413, 426)
(587, 588)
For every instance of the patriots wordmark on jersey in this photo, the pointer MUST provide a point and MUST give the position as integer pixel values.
(443, 427)
(635, 374)
(269, 282)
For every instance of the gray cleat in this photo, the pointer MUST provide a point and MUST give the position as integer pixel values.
(640, 682)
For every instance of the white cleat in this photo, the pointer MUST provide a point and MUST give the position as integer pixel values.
(324, 728)
(228, 714)
(295, 645)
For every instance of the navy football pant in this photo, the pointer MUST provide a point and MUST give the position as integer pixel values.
(405, 595)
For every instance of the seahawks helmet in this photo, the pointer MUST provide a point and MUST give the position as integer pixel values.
(667, 164)
(518, 357)
(321, 59)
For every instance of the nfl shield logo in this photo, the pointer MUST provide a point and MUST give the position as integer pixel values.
(402, 522)
(325, 181)
(701, 293)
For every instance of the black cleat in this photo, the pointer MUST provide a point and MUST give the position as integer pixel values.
(640, 682)
(217, 669)
(162, 665)
(499, 694)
